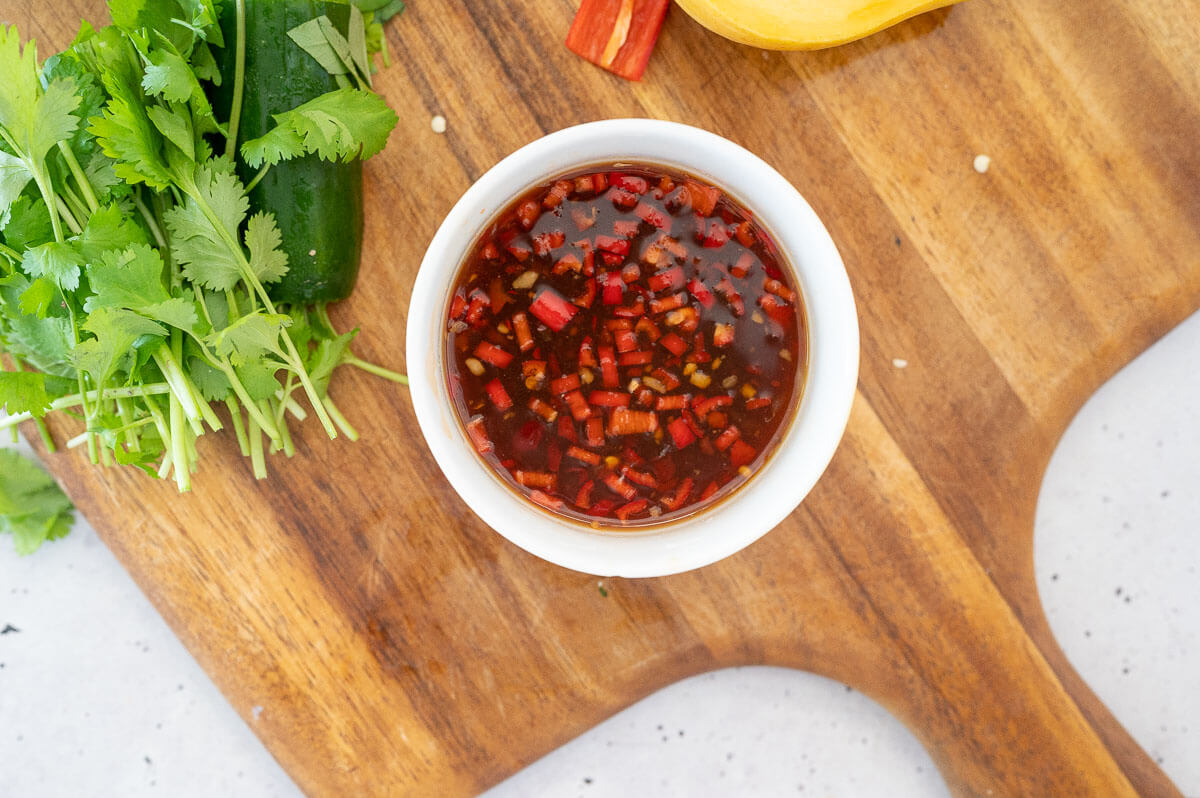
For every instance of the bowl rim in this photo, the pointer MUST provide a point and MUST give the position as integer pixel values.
(809, 438)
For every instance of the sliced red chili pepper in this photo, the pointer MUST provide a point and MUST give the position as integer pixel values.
(554, 451)
(668, 303)
(667, 378)
(703, 198)
(543, 409)
(745, 263)
(583, 455)
(593, 431)
(637, 309)
(608, 399)
(726, 438)
(634, 183)
(681, 434)
(608, 367)
(490, 251)
(547, 501)
(499, 396)
(617, 246)
(741, 453)
(641, 358)
(519, 249)
(490, 353)
(534, 370)
(726, 289)
(478, 435)
(627, 228)
(774, 307)
(639, 477)
(612, 259)
(673, 344)
(566, 430)
(613, 288)
(544, 243)
(587, 354)
(677, 402)
(712, 233)
(653, 216)
(699, 352)
(648, 329)
(667, 280)
(557, 193)
(577, 405)
(458, 305)
(535, 479)
(617, 35)
(632, 508)
(758, 404)
(619, 486)
(680, 496)
(625, 340)
(567, 382)
(703, 405)
(631, 422)
(722, 335)
(479, 304)
(779, 289)
(701, 292)
(528, 213)
(709, 490)
(622, 199)
(551, 309)
(745, 233)
(588, 296)
(583, 499)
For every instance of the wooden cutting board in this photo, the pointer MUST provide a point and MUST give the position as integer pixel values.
(397, 646)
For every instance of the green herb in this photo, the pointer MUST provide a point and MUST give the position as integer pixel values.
(33, 509)
(133, 278)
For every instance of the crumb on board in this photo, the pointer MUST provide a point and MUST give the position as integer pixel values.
(899, 362)
(438, 123)
(982, 162)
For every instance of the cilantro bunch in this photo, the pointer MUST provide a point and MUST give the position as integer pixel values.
(133, 277)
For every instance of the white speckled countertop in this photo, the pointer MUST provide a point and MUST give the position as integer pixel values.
(97, 697)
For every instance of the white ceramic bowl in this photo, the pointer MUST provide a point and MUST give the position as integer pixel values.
(821, 414)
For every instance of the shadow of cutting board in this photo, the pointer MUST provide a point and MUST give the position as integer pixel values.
(397, 646)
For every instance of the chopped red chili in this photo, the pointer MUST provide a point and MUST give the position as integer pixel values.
(617, 35)
(653, 390)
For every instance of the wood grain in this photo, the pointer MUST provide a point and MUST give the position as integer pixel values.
(398, 646)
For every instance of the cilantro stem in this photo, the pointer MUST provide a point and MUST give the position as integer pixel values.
(179, 447)
(289, 448)
(378, 371)
(239, 77)
(75, 400)
(80, 176)
(257, 177)
(47, 441)
(293, 358)
(256, 450)
(10, 253)
(251, 408)
(64, 211)
(239, 429)
(148, 217)
(343, 424)
(174, 376)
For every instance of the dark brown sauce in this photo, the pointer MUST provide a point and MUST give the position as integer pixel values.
(624, 345)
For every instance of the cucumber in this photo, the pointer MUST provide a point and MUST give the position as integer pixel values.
(318, 205)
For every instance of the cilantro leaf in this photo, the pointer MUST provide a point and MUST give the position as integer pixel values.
(268, 262)
(58, 261)
(168, 76)
(28, 224)
(176, 127)
(312, 37)
(14, 176)
(339, 125)
(24, 392)
(126, 135)
(116, 331)
(36, 299)
(250, 337)
(19, 89)
(133, 279)
(53, 117)
(109, 229)
(33, 509)
(201, 247)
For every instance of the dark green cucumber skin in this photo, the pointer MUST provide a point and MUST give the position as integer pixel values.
(318, 205)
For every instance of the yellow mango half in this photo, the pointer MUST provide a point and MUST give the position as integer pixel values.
(802, 24)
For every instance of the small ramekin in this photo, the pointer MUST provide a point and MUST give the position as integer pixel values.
(809, 439)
